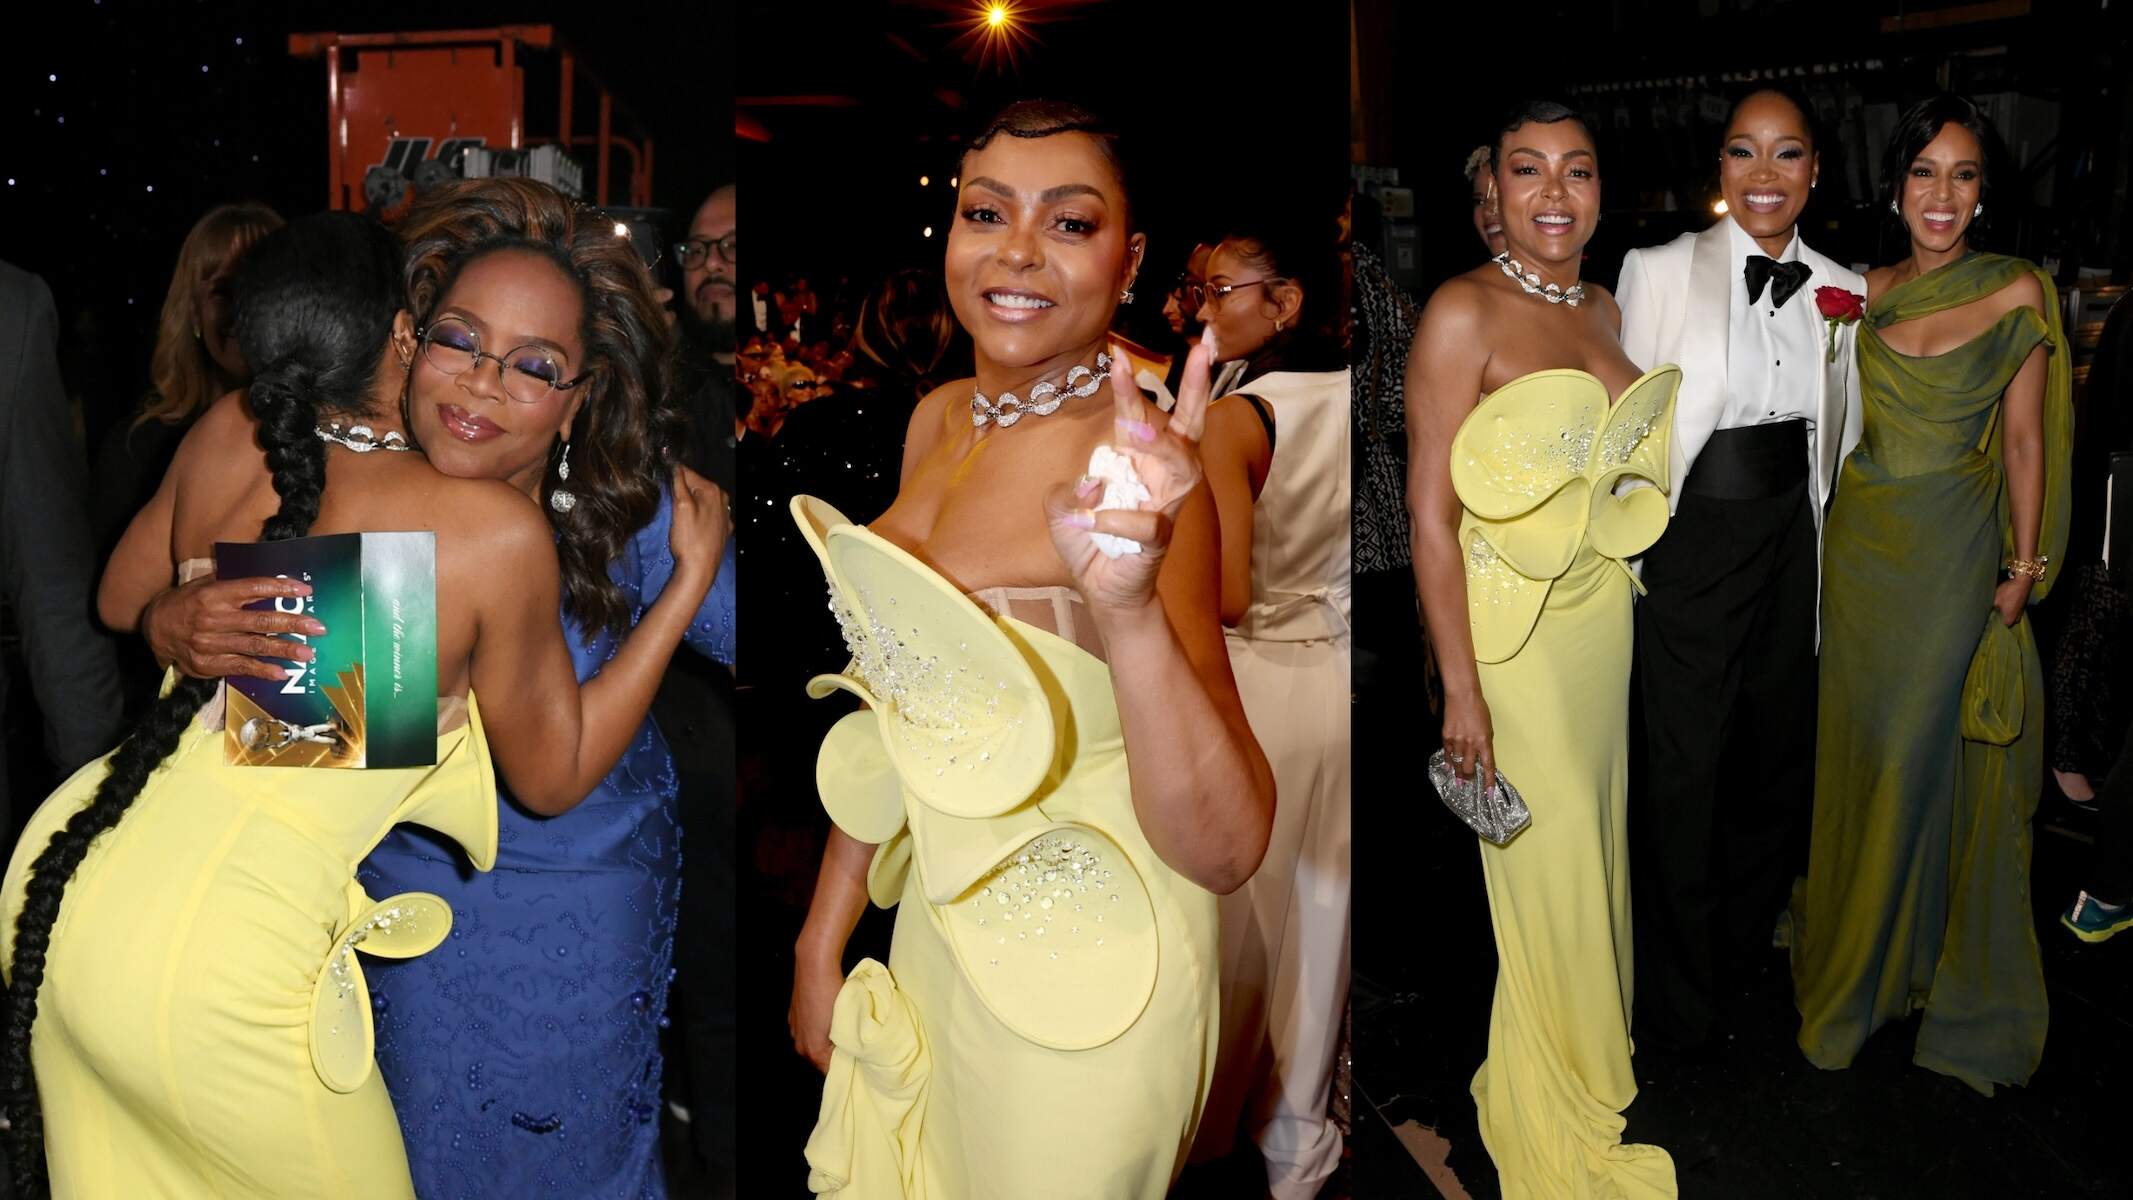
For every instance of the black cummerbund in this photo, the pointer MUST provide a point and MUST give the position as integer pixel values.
(1751, 463)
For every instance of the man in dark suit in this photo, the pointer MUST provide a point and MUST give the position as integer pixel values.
(694, 709)
(47, 561)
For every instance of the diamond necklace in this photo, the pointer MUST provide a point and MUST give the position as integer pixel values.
(360, 438)
(1044, 399)
(1531, 282)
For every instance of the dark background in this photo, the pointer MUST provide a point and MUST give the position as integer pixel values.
(132, 109)
(1755, 1120)
(1433, 81)
(1225, 110)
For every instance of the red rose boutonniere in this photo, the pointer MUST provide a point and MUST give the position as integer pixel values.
(1838, 307)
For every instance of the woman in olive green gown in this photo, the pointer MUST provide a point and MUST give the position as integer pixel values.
(1930, 753)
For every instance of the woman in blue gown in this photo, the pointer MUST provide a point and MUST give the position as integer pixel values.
(523, 1055)
(523, 1060)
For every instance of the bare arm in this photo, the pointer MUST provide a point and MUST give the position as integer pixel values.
(140, 565)
(1236, 455)
(818, 957)
(1201, 785)
(1444, 378)
(2022, 458)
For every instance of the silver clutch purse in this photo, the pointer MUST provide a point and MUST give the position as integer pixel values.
(1498, 813)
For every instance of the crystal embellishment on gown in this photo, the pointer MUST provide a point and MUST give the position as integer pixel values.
(944, 711)
(1045, 888)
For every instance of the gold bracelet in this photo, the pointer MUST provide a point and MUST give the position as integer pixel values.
(2034, 569)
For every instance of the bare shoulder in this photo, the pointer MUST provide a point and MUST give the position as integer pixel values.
(504, 521)
(1458, 306)
(1603, 303)
(930, 419)
(2026, 290)
(223, 431)
(1880, 279)
(1231, 421)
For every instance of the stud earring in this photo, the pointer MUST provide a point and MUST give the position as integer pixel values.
(561, 499)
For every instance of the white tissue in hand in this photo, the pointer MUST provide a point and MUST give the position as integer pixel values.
(1122, 489)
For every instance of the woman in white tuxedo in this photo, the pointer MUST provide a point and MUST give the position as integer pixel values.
(1769, 405)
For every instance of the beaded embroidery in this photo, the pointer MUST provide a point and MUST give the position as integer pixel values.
(1049, 895)
(943, 707)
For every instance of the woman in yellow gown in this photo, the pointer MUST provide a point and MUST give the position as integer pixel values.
(181, 934)
(1930, 755)
(1516, 457)
(1055, 775)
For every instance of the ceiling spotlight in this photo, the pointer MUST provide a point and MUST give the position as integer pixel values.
(926, 232)
(923, 181)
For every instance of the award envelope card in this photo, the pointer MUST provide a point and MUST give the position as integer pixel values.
(369, 696)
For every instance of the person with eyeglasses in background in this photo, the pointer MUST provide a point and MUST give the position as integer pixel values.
(695, 709)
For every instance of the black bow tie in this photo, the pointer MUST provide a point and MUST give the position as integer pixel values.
(1789, 276)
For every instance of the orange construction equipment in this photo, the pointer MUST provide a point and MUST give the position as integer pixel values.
(404, 109)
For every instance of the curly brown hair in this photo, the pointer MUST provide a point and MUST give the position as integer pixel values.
(629, 431)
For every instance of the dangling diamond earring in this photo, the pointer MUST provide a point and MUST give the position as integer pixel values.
(1977, 212)
(1126, 297)
(561, 499)
(1896, 207)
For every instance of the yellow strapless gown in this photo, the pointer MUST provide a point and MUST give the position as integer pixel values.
(204, 1028)
(1045, 1028)
(1535, 466)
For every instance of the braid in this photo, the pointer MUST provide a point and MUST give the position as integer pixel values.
(285, 396)
(130, 766)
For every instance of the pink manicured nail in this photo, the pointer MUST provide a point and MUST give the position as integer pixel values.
(314, 629)
(1089, 486)
(1083, 519)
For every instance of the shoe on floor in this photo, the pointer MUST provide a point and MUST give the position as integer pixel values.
(2090, 921)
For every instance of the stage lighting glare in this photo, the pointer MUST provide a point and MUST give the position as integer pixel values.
(926, 232)
(996, 15)
(923, 181)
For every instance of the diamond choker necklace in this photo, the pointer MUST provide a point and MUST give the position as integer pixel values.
(360, 438)
(1044, 399)
(1531, 282)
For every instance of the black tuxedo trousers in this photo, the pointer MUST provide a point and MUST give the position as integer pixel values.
(1723, 773)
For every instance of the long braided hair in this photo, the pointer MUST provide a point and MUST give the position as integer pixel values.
(316, 302)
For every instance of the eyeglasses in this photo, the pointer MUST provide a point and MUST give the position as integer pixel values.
(1202, 294)
(529, 374)
(695, 250)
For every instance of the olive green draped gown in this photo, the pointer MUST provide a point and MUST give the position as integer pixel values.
(1929, 754)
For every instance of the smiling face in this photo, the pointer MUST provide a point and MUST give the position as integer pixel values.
(1039, 250)
(1942, 187)
(1767, 167)
(466, 423)
(1548, 186)
(1488, 213)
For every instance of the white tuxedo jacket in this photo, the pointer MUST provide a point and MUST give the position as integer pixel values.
(1676, 308)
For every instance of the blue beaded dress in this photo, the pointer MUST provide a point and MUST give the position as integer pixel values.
(522, 1055)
